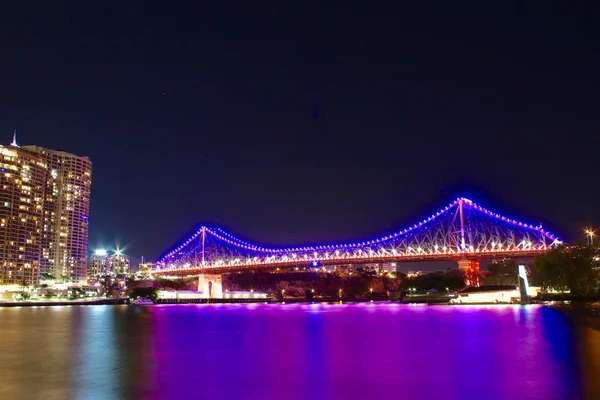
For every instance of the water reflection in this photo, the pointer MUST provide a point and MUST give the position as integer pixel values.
(95, 349)
(296, 351)
(589, 353)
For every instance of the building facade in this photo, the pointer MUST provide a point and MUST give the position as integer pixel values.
(119, 264)
(65, 213)
(145, 270)
(99, 264)
(22, 186)
(103, 264)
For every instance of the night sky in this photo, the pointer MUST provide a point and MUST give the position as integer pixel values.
(309, 123)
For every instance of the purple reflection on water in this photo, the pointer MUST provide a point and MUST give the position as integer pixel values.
(359, 351)
(296, 351)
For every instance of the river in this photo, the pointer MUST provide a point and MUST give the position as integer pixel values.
(296, 351)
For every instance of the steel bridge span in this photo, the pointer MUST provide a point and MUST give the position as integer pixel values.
(462, 231)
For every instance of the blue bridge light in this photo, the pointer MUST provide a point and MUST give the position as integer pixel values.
(462, 229)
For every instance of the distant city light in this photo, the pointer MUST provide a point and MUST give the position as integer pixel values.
(100, 252)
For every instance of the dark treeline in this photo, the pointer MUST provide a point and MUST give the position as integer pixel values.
(450, 280)
(574, 268)
(320, 284)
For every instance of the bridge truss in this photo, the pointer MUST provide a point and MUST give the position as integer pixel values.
(462, 229)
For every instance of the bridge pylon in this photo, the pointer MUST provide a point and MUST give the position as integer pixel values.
(470, 267)
(211, 285)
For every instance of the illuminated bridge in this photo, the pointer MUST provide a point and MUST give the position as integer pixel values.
(462, 231)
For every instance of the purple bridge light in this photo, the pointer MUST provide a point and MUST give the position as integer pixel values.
(461, 230)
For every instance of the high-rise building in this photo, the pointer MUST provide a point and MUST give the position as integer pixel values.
(102, 264)
(22, 183)
(99, 265)
(65, 213)
(119, 264)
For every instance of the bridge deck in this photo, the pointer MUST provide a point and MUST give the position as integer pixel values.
(354, 261)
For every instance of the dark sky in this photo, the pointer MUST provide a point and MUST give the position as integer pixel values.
(308, 123)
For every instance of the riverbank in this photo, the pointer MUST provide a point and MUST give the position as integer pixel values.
(86, 302)
(585, 313)
(425, 299)
(272, 300)
(567, 297)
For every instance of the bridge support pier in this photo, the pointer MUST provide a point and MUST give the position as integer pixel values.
(211, 285)
(524, 286)
(471, 270)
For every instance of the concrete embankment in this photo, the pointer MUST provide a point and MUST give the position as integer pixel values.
(287, 300)
(34, 303)
(425, 300)
(211, 301)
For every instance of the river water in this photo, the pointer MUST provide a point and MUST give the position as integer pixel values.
(296, 351)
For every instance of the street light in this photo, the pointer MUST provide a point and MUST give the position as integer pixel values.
(591, 234)
(340, 293)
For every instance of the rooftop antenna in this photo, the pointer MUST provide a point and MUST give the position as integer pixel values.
(14, 142)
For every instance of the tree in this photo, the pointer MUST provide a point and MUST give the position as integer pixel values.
(23, 285)
(75, 293)
(583, 276)
(112, 290)
(572, 268)
(129, 281)
(454, 280)
(148, 292)
(503, 272)
(551, 269)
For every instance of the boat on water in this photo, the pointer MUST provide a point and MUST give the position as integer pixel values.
(143, 301)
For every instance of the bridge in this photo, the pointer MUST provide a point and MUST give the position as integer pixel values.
(462, 231)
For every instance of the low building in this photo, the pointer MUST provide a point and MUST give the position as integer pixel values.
(240, 294)
(145, 270)
(493, 294)
(179, 294)
(414, 274)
